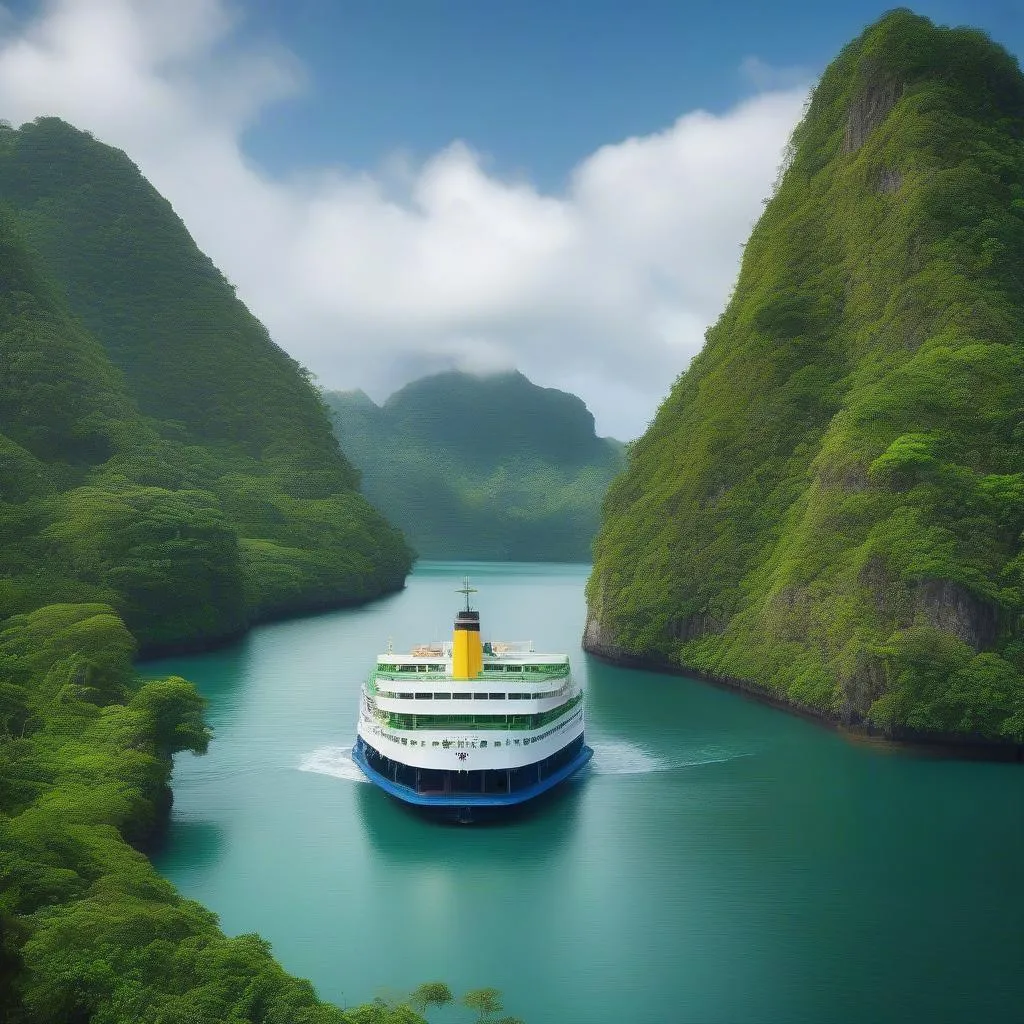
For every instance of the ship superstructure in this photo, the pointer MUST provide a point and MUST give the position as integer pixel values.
(469, 724)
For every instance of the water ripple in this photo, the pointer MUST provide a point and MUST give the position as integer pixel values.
(618, 757)
(333, 761)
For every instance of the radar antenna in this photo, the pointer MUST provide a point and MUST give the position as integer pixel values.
(467, 590)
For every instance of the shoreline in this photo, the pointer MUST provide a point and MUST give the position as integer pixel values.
(153, 841)
(922, 744)
(208, 644)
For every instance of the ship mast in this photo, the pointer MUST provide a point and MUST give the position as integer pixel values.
(467, 590)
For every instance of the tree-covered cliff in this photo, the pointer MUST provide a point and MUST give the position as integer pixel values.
(167, 476)
(162, 454)
(829, 504)
(488, 467)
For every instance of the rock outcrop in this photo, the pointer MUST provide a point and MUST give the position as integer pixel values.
(827, 510)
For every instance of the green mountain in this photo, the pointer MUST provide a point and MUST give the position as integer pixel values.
(490, 467)
(828, 507)
(187, 473)
(167, 477)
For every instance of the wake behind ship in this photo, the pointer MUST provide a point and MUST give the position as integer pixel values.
(463, 726)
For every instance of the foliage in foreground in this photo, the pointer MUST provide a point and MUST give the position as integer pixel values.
(167, 476)
(90, 932)
(830, 503)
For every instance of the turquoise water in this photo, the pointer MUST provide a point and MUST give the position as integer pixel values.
(720, 861)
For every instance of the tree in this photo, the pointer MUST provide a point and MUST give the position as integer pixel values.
(430, 993)
(484, 1001)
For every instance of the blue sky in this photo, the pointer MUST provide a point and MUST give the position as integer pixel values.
(536, 85)
(398, 187)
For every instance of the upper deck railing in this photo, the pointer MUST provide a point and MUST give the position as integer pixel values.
(425, 687)
(404, 721)
(417, 674)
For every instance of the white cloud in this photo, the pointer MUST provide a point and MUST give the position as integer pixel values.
(371, 279)
(764, 76)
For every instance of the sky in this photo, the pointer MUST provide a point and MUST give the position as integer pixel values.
(398, 187)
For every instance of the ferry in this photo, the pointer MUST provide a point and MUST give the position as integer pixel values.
(466, 726)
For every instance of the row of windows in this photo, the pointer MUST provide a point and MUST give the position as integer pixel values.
(474, 744)
(552, 670)
(475, 695)
(403, 721)
(412, 668)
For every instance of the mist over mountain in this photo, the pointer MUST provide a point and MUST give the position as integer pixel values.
(484, 467)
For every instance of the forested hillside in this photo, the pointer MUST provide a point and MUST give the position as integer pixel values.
(199, 485)
(488, 467)
(829, 505)
(167, 477)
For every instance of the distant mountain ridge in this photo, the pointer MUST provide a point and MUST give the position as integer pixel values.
(487, 467)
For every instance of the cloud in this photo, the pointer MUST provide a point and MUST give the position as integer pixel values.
(763, 76)
(371, 278)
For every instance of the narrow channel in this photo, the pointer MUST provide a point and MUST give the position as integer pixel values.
(718, 860)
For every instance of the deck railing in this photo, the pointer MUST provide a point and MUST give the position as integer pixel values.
(408, 722)
(534, 675)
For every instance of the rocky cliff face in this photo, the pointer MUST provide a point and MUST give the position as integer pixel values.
(828, 508)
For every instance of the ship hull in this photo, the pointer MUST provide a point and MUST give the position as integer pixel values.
(467, 796)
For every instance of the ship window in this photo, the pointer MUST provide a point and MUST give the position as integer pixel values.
(405, 696)
(424, 696)
(496, 696)
(462, 696)
(442, 696)
(480, 696)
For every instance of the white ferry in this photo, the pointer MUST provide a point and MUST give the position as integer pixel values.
(465, 725)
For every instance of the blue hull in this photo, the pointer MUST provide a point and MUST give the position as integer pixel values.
(462, 806)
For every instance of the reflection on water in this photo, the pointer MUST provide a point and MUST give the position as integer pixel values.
(718, 861)
(408, 836)
(200, 843)
(217, 674)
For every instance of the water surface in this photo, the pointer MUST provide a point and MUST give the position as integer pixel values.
(720, 861)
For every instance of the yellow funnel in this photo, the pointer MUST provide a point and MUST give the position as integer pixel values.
(467, 653)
